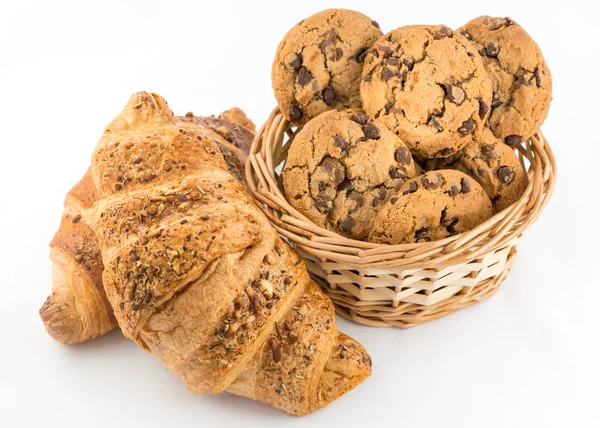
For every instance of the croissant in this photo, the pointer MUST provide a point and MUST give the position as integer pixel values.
(197, 276)
(77, 309)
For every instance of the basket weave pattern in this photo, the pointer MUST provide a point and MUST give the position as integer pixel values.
(400, 285)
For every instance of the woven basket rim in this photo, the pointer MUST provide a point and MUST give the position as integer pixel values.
(498, 231)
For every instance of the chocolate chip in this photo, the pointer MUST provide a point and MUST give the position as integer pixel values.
(338, 54)
(360, 57)
(346, 225)
(447, 151)
(408, 63)
(393, 201)
(538, 77)
(394, 61)
(386, 74)
(402, 156)
(360, 118)
(465, 186)
(387, 51)
(513, 140)
(375, 24)
(345, 185)
(466, 35)
(379, 197)
(304, 76)
(420, 234)
(453, 191)
(451, 228)
(329, 96)
(356, 197)
(76, 219)
(443, 216)
(357, 200)
(367, 78)
(445, 31)
(484, 109)
(433, 121)
(329, 40)
(372, 132)
(295, 113)
(489, 152)
(296, 62)
(340, 142)
(321, 186)
(412, 188)
(506, 174)
(491, 50)
(496, 102)
(496, 24)
(396, 174)
(330, 166)
(432, 180)
(467, 126)
(526, 81)
(454, 94)
(324, 204)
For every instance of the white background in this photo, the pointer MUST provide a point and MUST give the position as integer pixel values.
(528, 357)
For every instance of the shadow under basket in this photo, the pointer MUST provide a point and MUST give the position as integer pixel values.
(400, 285)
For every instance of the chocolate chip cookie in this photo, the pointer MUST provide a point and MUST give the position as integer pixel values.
(432, 206)
(319, 62)
(342, 167)
(428, 85)
(493, 164)
(521, 80)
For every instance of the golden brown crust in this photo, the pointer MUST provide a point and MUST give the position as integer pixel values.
(78, 309)
(305, 363)
(348, 365)
(82, 195)
(237, 115)
(234, 140)
(194, 271)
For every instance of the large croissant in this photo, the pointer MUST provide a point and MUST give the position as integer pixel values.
(77, 309)
(196, 275)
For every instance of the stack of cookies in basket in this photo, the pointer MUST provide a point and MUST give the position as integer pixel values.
(408, 136)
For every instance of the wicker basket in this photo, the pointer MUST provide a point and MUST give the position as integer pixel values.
(400, 285)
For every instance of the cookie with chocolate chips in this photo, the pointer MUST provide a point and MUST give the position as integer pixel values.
(432, 206)
(493, 164)
(318, 64)
(521, 80)
(341, 169)
(427, 84)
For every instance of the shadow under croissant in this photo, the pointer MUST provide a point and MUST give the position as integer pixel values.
(114, 342)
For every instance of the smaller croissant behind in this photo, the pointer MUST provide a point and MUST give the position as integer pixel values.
(78, 310)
